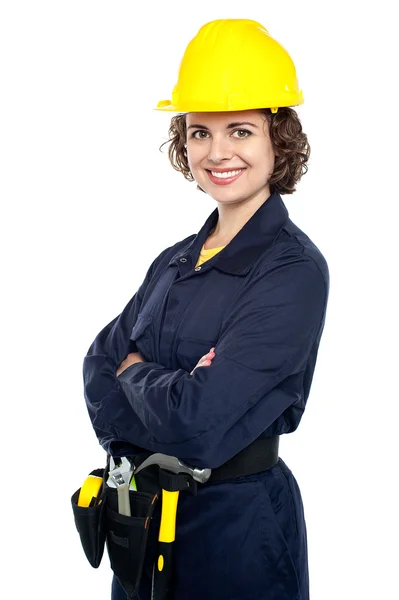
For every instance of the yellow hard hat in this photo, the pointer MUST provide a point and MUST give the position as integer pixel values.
(234, 64)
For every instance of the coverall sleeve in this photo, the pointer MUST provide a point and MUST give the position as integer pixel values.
(109, 349)
(207, 417)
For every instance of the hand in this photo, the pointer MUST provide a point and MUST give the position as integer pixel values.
(205, 361)
(131, 359)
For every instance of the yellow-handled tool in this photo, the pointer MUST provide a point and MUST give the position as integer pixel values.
(176, 480)
(90, 491)
(163, 567)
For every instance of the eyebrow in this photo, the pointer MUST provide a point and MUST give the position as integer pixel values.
(230, 126)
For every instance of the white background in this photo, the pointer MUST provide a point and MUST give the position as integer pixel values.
(88, 201)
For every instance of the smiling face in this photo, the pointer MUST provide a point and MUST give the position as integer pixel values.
(230, 154)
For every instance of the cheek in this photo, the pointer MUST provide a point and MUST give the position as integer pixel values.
(191, 158)
(197, 152)
(266, 163)
(194, 161)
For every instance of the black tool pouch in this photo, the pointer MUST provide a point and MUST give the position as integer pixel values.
(127, 537)
(90, 523)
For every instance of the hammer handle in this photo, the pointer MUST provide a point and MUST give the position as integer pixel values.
(163, 568)
(167, 530)
(162, 575)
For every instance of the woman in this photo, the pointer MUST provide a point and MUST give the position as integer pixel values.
(216, 351)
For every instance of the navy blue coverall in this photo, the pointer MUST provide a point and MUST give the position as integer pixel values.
(261, 302)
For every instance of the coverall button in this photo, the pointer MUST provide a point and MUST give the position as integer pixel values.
(183, 260)
(197, 269)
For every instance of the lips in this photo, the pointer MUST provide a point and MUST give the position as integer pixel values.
(222, 179)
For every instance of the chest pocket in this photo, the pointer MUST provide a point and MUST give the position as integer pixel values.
(142, 336)
(143, 330)
(190, 350)
(142, 323)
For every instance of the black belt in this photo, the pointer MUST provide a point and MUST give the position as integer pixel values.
(259, 456)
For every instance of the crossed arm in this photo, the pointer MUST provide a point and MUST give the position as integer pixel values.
(207, 416)
(135, 357)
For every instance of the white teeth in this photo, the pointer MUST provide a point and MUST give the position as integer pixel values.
(227, 174)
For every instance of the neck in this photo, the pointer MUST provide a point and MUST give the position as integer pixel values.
(233, 217)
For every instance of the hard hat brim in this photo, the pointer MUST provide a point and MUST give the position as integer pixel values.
(167, 106)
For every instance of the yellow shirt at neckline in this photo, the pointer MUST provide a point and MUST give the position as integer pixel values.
(207, 254)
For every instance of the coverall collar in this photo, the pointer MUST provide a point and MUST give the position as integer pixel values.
(251, 241)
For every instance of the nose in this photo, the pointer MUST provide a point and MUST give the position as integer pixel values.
(219, 149)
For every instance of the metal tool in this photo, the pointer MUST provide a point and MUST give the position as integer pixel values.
(121, 474)
(173, 464)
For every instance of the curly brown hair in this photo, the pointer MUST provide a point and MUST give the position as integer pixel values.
(290, 144)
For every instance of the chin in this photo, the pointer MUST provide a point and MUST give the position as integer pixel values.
(228, 198)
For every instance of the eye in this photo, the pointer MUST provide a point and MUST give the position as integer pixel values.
(200, 134)
(242, 133)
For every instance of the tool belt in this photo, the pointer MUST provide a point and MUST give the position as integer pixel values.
(259, 456)
(99, 523)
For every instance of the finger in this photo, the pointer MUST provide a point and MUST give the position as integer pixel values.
(202, 363)
(204, 360)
